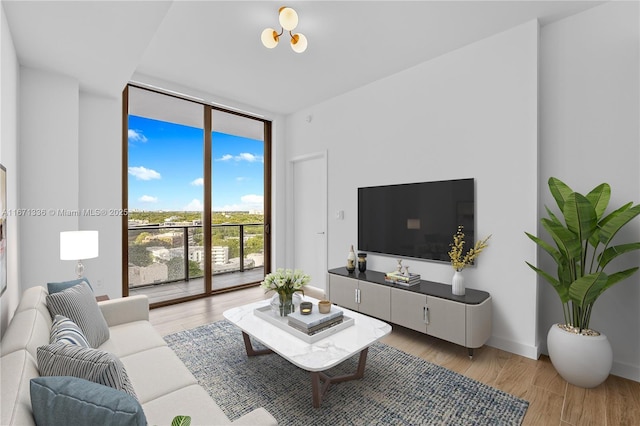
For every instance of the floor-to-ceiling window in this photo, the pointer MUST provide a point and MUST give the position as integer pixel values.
(197, 189)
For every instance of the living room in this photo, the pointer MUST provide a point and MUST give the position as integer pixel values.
(510, 109)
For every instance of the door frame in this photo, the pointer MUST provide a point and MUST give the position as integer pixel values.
(290, 202)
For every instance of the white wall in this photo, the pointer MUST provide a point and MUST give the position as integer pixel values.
(100, 187)
(48, 177)
(590, 133)
(8, 157)
(469, 113)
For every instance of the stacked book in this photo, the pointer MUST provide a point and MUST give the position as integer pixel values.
(315, 322)
(396, 277)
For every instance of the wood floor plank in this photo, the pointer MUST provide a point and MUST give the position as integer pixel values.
(585, 406)
(548, 378)
(487, 364)
(545, 407)
(622, 401)
(517, 376)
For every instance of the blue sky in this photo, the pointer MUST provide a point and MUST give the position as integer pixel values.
(166, 168)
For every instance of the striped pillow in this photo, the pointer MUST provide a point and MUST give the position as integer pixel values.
(79, 305)
(61, 359)
(66, 331)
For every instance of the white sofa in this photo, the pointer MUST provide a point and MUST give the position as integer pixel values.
(164, 386)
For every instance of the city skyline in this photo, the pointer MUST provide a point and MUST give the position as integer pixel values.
(166, 163)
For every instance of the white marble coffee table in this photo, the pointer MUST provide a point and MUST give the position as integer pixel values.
(313, 357)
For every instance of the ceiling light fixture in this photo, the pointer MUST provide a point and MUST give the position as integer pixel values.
(288, 21)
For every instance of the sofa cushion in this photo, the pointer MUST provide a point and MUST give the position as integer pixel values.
(16, 369)
(191, 401)
(152, 379)
(66, 331)
(132, 337)
(28, 329)
(57, 287)
(63, 401)
(79, 304)
(61, 359)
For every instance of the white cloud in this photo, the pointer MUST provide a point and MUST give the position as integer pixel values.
(148, 199)
(194, 206)
(249, 202)
(241, 179)
(243, 156)
(197, 182)
(142, 173)
(136, 136)
(252, 199)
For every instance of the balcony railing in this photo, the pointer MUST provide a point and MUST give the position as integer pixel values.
(167, 253)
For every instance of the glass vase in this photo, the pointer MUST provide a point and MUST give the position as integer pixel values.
(283, 305)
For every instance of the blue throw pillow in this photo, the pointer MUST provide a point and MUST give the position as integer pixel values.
(56, 287)
(64, 401)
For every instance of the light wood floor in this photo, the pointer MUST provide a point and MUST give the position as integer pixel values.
(552, 400)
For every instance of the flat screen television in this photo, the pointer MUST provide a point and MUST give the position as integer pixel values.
(416, 220)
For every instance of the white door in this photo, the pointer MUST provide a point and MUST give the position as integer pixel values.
(309, 197)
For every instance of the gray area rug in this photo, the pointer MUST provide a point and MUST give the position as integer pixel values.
(397, 389)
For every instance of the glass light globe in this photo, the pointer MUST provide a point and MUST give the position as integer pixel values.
(288, 18)
(269, 38)
(299, 43)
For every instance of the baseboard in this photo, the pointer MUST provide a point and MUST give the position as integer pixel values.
(527, 351)
(628, 371)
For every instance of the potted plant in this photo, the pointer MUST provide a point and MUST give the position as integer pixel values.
(582, 252)
(285, 282)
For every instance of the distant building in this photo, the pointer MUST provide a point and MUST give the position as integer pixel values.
(144, 275)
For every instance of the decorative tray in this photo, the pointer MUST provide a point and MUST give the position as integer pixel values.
(267, 314)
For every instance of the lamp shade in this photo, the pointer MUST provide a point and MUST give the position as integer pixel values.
(77, 245)
(299, 43)
(269, 38)
(288, 18)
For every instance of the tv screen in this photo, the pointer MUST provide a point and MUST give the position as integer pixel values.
(416, 219)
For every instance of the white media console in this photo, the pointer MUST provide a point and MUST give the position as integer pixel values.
(427, 307)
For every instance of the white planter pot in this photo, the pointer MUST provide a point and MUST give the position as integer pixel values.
(457, 284)
(584, 361)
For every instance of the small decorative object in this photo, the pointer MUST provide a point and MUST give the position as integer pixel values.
(285, 282)
(362, 262)
(582, 248)
(460, 261)
(324, 306)
(306, 308)
(406, 272)
(351, 260)
(399, 267)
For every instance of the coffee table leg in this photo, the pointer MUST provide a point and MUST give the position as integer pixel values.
(249, 347)
(320, 382)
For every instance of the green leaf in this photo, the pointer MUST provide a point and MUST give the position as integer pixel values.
(594, 240)
(181, 421)
(567, 242)
(599, 198)
(585, 290)
(617, 221)
(617, 277)
(560, 191)
(562, 290)
(612, 252)
(580, 216)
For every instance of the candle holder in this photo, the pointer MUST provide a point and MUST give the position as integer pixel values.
(306, 308)
(324, 306)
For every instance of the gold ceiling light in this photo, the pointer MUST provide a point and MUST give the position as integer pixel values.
(288, 21)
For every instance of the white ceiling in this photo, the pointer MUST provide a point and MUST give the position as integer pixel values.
(214, 46)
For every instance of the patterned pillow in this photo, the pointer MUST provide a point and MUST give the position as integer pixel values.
(56, 287)
(79, 305)
(64, 401)
(61, 359)
(67, 331)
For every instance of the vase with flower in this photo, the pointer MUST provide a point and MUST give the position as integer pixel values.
(286, 283)
(459, 261)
